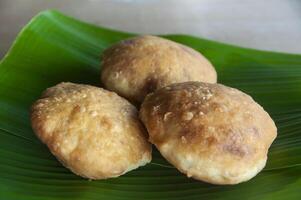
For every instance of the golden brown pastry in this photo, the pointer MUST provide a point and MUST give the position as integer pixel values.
(210, 132)
(137, 66)
(93, 132)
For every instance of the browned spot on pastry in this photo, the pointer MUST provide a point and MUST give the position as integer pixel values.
(150, 85)
(75, 110)
(192, 132)
(211, 141)
(106, 122)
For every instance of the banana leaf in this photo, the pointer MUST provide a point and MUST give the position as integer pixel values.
(53, 47)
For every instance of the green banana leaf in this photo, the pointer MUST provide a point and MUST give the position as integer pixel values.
(54, 48)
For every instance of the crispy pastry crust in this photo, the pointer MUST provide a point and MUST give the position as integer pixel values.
(208, 131)
(140, 65)
(93, 132)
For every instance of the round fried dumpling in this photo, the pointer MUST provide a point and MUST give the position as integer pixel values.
(137, 66)
(93, 132)
(210, 132)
